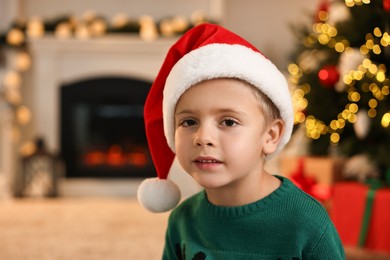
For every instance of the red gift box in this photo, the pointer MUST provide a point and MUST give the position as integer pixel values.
(349, 206)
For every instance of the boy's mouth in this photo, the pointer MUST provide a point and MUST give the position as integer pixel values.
(206, 160)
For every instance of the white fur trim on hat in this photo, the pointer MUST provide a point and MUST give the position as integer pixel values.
(231, 61)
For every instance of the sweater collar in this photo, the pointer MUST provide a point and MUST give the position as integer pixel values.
(248, 209)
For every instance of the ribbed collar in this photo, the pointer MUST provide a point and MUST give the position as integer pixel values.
(248, 209)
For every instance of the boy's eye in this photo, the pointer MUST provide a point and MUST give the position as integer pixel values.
(188, 122)
(229, 122)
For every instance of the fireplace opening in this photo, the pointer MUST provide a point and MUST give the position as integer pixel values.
(102, 128)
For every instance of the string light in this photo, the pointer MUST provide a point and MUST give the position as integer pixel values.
(15, 37)
(385, 90)
(325, 34)
(334, 138)
(323, 16)
(385, 40)
(372, 112)
(386, 120)
(351, 3)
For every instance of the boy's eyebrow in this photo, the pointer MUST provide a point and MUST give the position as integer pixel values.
(230, 110)
(182, 112)
(220, 110)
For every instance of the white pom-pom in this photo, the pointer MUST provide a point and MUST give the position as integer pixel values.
(157, 195)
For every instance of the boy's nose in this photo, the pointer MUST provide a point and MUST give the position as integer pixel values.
(203, 137)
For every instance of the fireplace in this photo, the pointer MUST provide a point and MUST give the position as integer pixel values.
(102, 130)
(67, 64)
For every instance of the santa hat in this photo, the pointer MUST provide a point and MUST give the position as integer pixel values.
(205, 52)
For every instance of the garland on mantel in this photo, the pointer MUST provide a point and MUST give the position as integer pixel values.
(92, 25)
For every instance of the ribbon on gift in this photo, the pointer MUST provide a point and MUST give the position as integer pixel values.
(374, 186)
(309, 184)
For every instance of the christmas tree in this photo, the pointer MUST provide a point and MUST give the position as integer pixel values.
(341, 78)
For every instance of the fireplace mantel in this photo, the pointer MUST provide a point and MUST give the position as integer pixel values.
(61, 61)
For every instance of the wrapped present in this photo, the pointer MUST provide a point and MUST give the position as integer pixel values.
(314, 175)
(361, 214)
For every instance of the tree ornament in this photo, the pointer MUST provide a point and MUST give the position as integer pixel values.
(328, 75)
(362, 124)
(338, 12)
(349, 60)
(386, 5)
(360, 167)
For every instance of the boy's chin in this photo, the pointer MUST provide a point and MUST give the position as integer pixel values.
(211, 182)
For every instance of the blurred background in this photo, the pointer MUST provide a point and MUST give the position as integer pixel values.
(74, 76)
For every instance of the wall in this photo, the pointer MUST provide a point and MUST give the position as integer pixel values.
(266, 24)
(8, 10)
(133, 8)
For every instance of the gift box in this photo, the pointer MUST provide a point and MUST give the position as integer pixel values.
(361, 215)
(314, 175)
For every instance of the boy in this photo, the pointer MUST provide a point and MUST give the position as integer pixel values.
(222, 108)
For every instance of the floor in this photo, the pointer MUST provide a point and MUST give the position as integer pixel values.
(79, 229)
(86, 228)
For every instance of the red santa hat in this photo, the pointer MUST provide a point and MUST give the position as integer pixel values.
(205, 52)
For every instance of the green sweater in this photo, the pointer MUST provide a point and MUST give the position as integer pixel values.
(287, 224)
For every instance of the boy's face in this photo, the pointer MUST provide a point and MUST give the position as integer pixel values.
(220, 133)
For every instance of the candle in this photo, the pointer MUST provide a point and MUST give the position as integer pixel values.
(35, 28)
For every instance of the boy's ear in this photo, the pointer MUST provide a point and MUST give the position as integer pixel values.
(272, 136)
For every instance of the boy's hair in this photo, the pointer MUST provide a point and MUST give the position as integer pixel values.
(270, 111)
